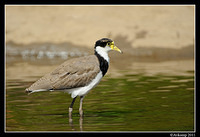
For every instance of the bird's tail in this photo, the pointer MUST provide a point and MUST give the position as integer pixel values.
(28, 91)
(33, 91)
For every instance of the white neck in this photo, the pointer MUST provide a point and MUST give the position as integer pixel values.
(103, 52)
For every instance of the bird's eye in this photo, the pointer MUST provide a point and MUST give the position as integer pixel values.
(108, 44)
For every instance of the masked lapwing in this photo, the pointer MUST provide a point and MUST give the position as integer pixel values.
(78, 76)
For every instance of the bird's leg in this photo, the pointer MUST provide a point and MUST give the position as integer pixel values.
(80, 108)
(70, 110)
(81, 123)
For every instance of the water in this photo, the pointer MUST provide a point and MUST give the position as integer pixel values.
(133, 99)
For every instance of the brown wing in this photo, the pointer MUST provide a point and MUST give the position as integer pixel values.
(73, 73)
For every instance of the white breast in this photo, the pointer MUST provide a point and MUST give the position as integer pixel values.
(84, 90)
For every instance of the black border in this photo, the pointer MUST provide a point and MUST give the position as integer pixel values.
(60, 2)
(100, 2)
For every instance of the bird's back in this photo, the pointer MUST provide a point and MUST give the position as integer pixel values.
(73, 73)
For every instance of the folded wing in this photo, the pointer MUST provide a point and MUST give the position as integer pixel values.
(73, 73)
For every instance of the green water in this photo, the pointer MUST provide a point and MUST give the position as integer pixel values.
(131, 102)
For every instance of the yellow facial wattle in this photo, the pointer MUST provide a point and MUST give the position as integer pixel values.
(113, 47)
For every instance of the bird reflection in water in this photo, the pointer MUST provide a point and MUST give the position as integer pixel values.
(80, 122)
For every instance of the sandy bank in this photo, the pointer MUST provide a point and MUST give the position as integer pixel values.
(144, 26)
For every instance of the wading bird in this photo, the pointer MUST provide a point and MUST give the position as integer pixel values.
(78, 76)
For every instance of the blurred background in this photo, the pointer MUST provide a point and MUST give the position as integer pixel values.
(157, 44)
(144, 33)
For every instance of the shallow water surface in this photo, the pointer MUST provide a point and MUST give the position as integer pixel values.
(126, 102)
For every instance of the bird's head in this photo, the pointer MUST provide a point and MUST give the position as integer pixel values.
(106, 45)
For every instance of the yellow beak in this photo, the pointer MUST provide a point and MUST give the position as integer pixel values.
(113, 47)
